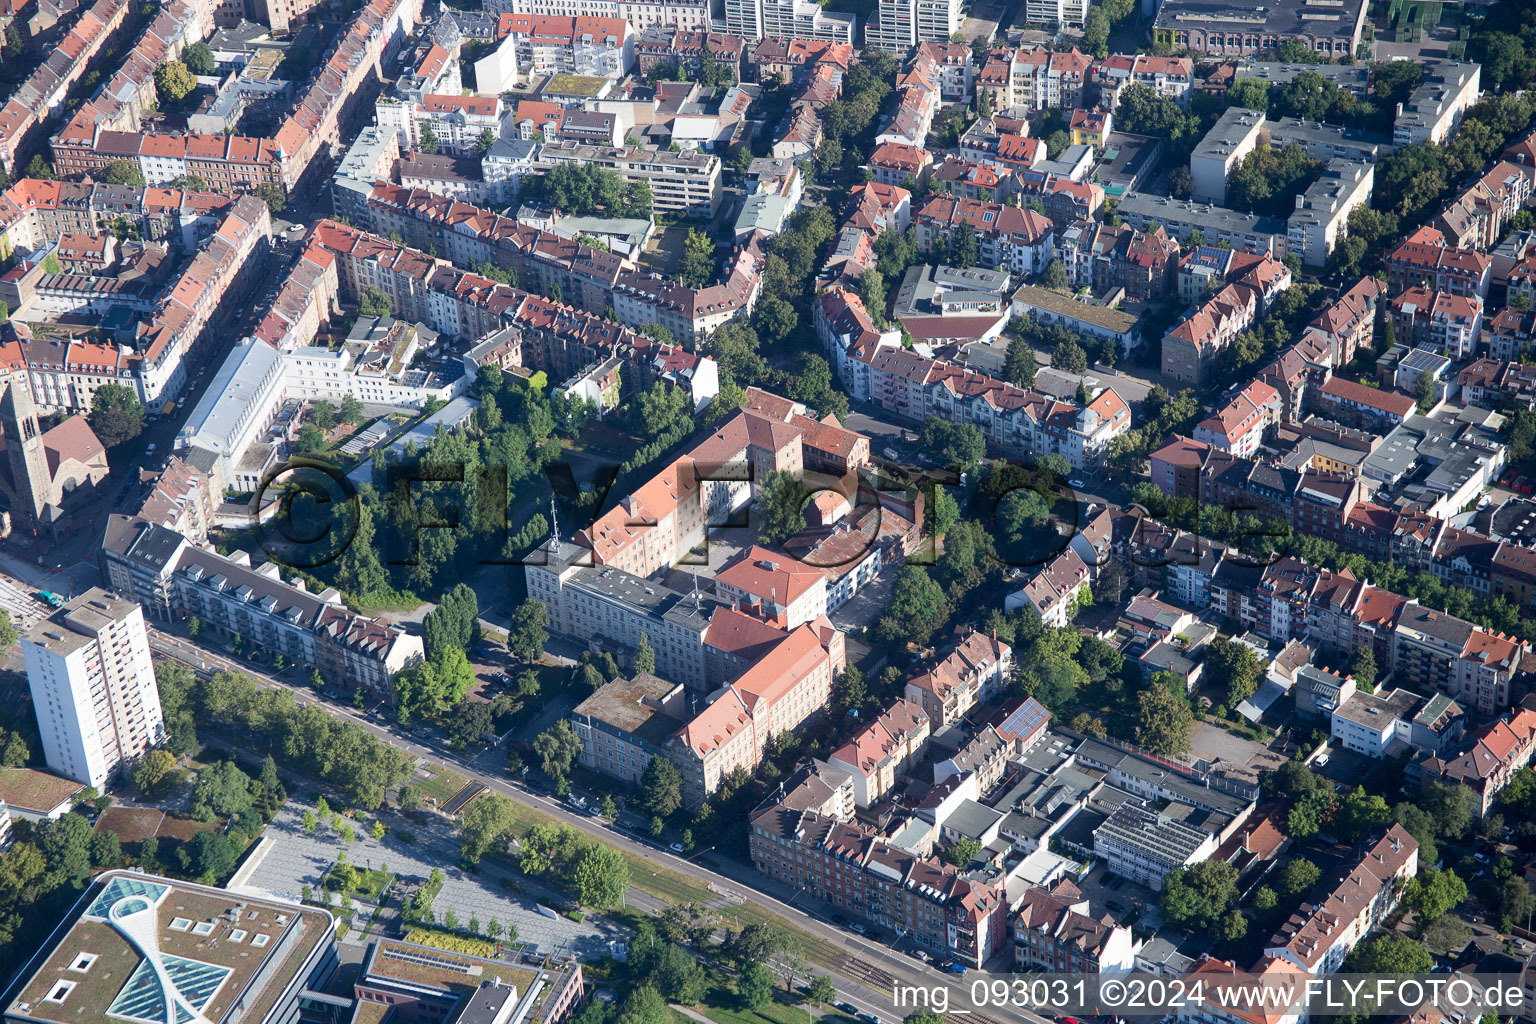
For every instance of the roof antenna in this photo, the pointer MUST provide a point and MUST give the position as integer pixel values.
(695, 590)
(554, 527)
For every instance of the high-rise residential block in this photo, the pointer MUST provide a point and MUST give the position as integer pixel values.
(93, 686)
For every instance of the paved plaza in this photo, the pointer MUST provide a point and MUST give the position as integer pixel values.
(295, 859)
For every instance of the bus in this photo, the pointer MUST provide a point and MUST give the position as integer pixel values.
(51, 599)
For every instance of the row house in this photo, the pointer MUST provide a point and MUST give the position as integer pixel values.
(1029, 80)
(1513, 574)
(1349, 322)
(1476, 219)
(792, 60)
(1018, 239)
(1435, 650)
(863, 875)
(1168, 77)
(1489, 383)
(1054, 932)
(1065, 200)
(1054, 591)
(1238, 426)
(1192, 349)
(1437, 320)
(565, 45)
(973, 669)
(1424, 260)
(220, 274)
(1318, 936)
(1359, 406)
(883, 751)
(1001, 143)
(174, 579)
(1509, 332)
(667, 46)
(1104, 258)
(122, 100)
(1498, 750)
(43, 94)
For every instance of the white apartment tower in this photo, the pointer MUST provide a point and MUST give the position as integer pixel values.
(787, 19)
(899, 24)
(93, 686)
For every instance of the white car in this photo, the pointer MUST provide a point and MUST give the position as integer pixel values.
(676, 847)
(1322, 762)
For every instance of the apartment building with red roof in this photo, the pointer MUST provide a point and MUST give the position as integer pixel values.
(1358, 406)
(971, 669)
(1238, 426)
(1497, 751)
(1424, 260)
(882, 752)
(1317, 937)
(854, 869)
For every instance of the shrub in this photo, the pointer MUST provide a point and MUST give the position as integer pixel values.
(452, 943)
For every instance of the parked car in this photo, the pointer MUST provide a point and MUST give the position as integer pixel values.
(1077, 483)
(955, 967)
(869, 1018)
(676, 847)
(891, 454)
(1322, 762)
(859, 929)
(847, 1008)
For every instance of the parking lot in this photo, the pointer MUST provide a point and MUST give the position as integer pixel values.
(296, 859)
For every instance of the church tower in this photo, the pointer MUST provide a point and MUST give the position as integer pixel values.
(30, 479)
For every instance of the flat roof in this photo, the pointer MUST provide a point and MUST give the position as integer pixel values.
(228, 955)
(32, 790)
(1316, 19)
(1065, 305)
(235, 388)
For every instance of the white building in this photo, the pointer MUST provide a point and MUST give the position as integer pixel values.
(1322, 212)
(93, 686)
(240, 403)
(900, 24)
(1223, 149)
(787, 19)
(457, 122)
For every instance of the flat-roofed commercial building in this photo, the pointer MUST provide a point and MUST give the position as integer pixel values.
(143, 948)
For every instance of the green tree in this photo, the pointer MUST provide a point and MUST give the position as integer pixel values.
(153, 772)
(106, 850)
(484, 143)
(374, 301)
(1019, 366)
(485, 824)
(199, 59)
(39, 168)
(1297, 878)
(409, 798)
(822, 992)
(661, 787)
(644, 1006)
(173, 83)
(783, 501)
(1433, 894)
(1393, 953)
(601, 877)
(1234, 668)
(221, 790)
(1424, 392)
(962, 853)
(959, 444)
(1054, 276)
(1198, 897)
(756, 985)
(273, 194)
(209, 856)
(117, 415)
(428, 141)
(1165, 723)
(697, 266)
(351, 411)
(558, 747)
(1069, 356)
(527, 636)
(917, 607)
(1358, 815)
(645, 657)
(9, 635)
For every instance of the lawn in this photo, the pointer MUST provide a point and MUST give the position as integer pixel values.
(443, 786)
(132, 824)
(183, 828)
(774, 1013)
